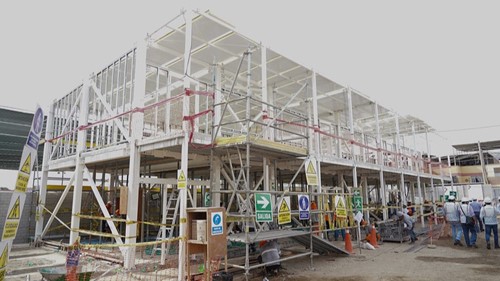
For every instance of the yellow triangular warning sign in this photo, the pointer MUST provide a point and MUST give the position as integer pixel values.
(3, 257)
(181, 176)
(15, 211)
(27, 165)
(310, 168)
(340, 204)
(284, 206)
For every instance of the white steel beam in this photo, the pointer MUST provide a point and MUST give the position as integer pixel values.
(80, 162)
(56, 209)
(72, 111)
(136, 128)
(104, 210)
(185, 147)
(47, 148)
(110, 111)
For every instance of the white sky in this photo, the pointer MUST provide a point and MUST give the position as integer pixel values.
(436, 60)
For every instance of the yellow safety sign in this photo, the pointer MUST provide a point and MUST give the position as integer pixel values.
(310, 168)
(15, 212)
(284, 206)
(10, 230)
(26, 167)
(22, 181)
(340, 209)
(3, 258)
(311, 175)
(181, 180)
(284, 214)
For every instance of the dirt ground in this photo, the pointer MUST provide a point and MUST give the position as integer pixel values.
(400, 262)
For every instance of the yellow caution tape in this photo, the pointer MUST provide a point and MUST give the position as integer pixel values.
(94, 246)
(122, 220)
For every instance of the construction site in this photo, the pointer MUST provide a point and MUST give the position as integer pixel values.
(184, 156)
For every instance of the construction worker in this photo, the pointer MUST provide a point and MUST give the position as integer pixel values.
(409, 225)
(488, 214)
(315, 217)
(466, 213)
(270, 253)
(452, 217)
(476, 206)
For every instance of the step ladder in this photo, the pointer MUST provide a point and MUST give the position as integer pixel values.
(169, 221)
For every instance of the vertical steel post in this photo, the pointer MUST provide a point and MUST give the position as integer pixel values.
(185, 146)
(80, 162)
(351, 130)
(47, 150)
(137, 124)
(381, 162)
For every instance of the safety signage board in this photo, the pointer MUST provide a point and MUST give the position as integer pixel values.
(263, 207)
(284, 212)
(181, 179)
(4, 248)
(311, 175)
(340, 207)
(217, 223)
(357, 201)
(15, 210)
(304, 207)
(36, 129)
(23, 174)
(13, 216)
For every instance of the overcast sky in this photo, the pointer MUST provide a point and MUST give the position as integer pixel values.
(436, 60)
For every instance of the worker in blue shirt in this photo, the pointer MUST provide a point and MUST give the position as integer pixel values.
(476, 207)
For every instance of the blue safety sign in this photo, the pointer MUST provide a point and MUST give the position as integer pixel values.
(304, 207)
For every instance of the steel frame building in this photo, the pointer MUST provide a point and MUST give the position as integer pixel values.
(237, 118)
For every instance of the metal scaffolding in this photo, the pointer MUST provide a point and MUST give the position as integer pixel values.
(196, 98)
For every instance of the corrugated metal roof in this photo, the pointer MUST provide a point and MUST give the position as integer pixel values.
(14, 128)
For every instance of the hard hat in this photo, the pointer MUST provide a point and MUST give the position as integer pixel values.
(399, 213)
(474, 199)
(465, 199)
(451, 198)
(487, 200)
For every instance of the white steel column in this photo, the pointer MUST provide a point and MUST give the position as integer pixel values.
(196, 110)
(80, 162)
(215, 182)
(432, 176)
(263, 85)
(316, 134)
(381, 163)
(42, 195)
(400, 164)
(217, 120)
(185, 146)
(137, 123)
(351, 129)
(168, 104)
(418, 174)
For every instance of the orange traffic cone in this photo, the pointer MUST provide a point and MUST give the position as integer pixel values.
(348, 244)
(373, 237)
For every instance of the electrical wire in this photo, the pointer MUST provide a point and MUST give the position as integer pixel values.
(468, 129)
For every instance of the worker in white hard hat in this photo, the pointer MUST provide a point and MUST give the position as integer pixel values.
(488, 214)
(468, 223)
(476, 206)
(452, 217)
